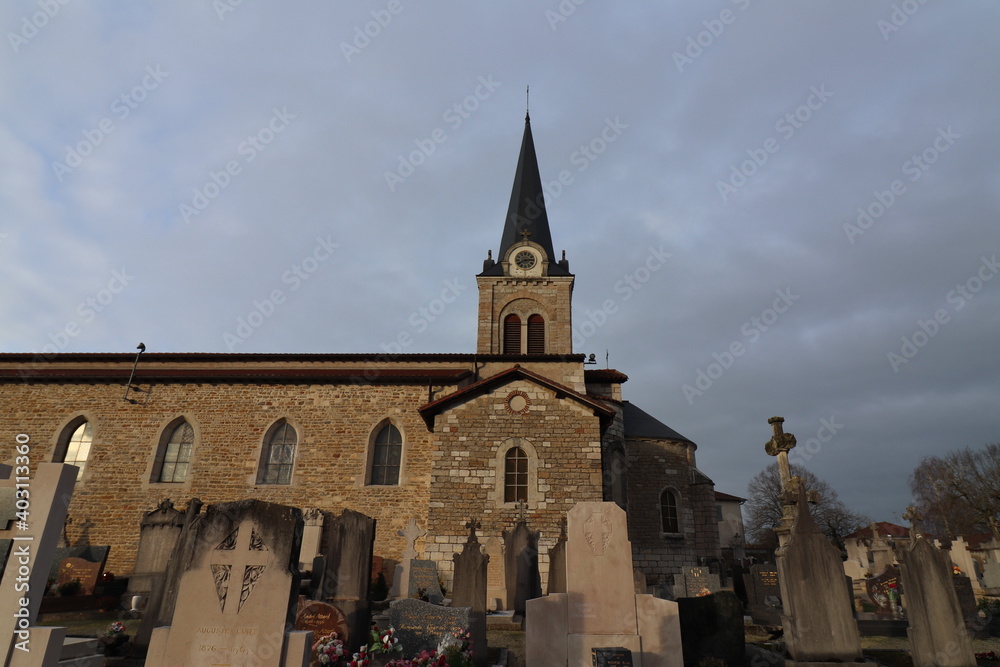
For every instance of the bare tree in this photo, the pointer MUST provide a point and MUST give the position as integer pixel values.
(764, 508)
(959, 493)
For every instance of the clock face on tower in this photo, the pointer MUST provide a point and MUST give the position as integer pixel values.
(524, 260)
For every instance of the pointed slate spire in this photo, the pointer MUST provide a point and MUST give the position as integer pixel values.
(526, 216)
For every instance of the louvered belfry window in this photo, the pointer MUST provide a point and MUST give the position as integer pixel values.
(512, 335)
(536, 334)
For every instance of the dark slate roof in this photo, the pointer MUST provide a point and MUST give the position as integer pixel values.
(641, 424)
(526, 211)
(725, 497)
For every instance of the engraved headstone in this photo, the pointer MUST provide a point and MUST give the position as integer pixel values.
(401, 578)
(697, 581)
(424, 577)
(348, 541)
(89, 553)
(496, 578)
(322, 619)
(238, 594)
(78, 569)
(421, 625)
(884, 591)
(159, 531)
(469, 589)
(521, 564)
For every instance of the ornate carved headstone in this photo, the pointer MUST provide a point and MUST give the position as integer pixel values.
(322, 619)
(159, 531)
(401, 585)
(521, 564)
(884, 591)
(238, 594)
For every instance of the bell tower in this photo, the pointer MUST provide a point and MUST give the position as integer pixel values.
(525, 295)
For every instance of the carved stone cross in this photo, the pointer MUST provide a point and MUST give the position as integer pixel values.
(779, 445)
(473, 525)
(525, 233)
(522, 508)
(411, 533)
(239, 560)
(914, 517)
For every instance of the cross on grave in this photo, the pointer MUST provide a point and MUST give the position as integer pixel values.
(244, 553)
(473, 525)
(411, 533)
(779, 445)
(914, 517)
(522, 508)
(8, 507)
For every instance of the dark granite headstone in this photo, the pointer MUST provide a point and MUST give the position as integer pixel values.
(469, 590)
(347, 545)
(884, 590)
(764, 594)
(521, 563)
(78, 569)
(611, 657)
(966, 600)
(322, 619)
(87, 553)
(424, 575)
(712, 627)
(421, 625)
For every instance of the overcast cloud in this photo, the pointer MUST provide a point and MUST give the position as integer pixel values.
(196, 157)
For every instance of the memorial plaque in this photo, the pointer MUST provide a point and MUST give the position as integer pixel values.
(93, 554)
(767, 590)
(884, 590)
(422, 625)
(321, 619)
(81, 570)
(612, 657)
(423, 574)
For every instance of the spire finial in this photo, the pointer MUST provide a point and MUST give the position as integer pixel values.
(527, 104)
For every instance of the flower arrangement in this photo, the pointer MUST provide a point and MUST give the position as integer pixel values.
(955, 570)
(703, 592)
(383, 641)
(329, 649)
(116, 629)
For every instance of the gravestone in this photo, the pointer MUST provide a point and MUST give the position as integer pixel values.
(469, 589)
(496, 578)
(401, 578)
(424, 577)
(312, 536)
(348, 541)
(612, 657)
(961, 557)
(712, 627)
(881, 552)
(78, 569)
(695, 581)
(163, 595)
(936, 628)
(89, 553)
(321, 619)
(33, 527)
(158, 534)
(557, 562)
(237, 595)
(818, 617)
(966, 600)
(420, 626)
(524, 581)
(764, 594)
(884, 591)
(600, 609)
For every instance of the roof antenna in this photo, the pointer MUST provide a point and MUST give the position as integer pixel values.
(527, 106)
(142, 348)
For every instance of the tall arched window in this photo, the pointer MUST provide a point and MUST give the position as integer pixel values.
(512, 335)
(278, 455)
(387, 455)
(74, 445)
(536, 334)
(173, 456)
(515, 481)
(669, 521)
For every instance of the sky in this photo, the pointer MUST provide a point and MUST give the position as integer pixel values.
(785, 208)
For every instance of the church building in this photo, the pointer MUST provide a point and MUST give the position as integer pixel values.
(520, 425)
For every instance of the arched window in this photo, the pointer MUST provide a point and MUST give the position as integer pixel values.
(387, 455)
(74, 445)
(278, 454)
(536, 334)
(512, 335)
(173, 456)
(669, 521)
(515, 481)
